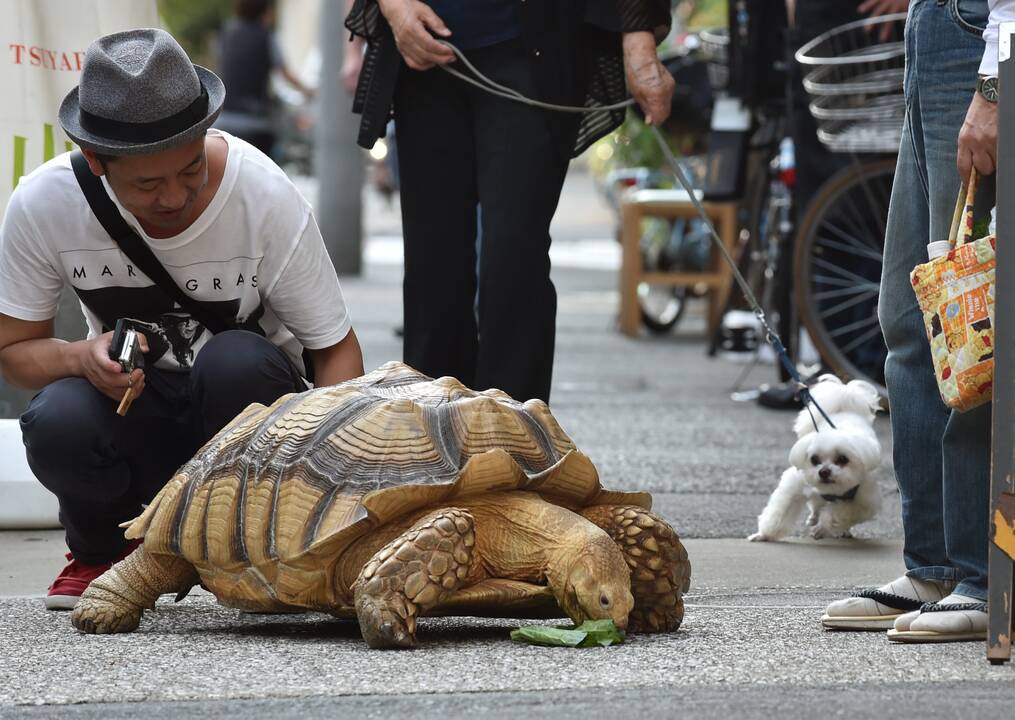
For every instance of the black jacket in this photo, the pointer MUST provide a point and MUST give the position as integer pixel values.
(574, 45)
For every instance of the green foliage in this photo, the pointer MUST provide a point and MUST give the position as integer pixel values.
(591, 633)
(634, 145)
(194, 22)
(708, 13)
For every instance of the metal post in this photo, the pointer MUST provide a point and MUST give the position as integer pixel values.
(338, 161)
(1002, 474)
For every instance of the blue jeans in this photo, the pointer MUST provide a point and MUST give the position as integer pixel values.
(942, 458)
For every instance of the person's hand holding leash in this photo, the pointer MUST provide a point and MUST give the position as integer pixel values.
(106, 375)
(412, 22)
(648, 81)
(978, 138)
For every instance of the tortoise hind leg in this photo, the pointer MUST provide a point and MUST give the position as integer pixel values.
(412, 574)
(660, 571)
(114, 601)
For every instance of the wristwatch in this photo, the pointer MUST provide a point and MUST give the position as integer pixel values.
(987, 87)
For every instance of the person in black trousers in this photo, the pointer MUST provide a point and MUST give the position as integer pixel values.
(459, 148)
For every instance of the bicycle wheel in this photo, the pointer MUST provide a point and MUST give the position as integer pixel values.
(837, 269)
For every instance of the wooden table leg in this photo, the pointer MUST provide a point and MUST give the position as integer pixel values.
(630, 270)
(726, 222)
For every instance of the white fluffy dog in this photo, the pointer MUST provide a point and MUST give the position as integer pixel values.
(830, 468)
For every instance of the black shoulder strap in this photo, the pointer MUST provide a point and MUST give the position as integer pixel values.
(135, 248)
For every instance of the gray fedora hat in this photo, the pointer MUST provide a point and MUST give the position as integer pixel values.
(139, 93)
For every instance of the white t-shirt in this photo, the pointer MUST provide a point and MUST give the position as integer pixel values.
(255, 254)
(1000, 11)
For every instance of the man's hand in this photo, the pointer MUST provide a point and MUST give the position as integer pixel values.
(412, 22)
(648, 81)
(106, 375)
(978, 138)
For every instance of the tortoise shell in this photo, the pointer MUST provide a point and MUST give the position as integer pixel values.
(270, 502)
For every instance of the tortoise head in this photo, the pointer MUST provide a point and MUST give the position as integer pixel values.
(598, 584)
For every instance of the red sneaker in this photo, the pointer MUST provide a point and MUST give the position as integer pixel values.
(75, 577)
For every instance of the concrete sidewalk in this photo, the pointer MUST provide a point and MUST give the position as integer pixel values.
(751, 643)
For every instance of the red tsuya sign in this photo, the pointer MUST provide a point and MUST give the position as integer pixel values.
(60, 60)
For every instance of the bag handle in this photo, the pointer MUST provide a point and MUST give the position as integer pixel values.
(962, 220)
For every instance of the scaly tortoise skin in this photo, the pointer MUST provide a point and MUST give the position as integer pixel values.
(391, 497)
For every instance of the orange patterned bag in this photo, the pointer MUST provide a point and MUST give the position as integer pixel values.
(956, 295)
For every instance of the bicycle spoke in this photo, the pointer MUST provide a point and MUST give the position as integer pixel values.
(845, 225)
(826, 312)
(879, 215)
(842, 272)
(860, 340)
(820, 280)
(849, 198)
(853, 326)
(851, 248)
(851, 289)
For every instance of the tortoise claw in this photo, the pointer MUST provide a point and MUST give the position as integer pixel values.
(411, 575)
(99, 613)
(382, 628)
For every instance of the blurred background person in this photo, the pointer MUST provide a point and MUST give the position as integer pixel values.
(248, 54)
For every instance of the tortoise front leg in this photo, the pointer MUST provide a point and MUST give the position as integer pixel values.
(114, 601)
(412, 574)
(660, 571)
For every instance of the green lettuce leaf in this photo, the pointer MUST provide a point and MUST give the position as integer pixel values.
(591, 633)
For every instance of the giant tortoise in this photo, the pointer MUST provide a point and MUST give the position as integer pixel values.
(392, 497)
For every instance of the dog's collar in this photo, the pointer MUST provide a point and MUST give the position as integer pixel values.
(848, 495)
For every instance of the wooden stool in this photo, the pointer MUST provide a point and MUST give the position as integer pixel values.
(672, 204)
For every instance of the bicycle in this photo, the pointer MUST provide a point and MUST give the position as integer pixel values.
(855, 83)
(856, 91)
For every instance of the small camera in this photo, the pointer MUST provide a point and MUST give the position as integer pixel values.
(125, 347)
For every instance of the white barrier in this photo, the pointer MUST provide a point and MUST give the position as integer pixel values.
(24, 503)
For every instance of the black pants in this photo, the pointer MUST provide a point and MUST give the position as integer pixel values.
(459, 147)
(103, 467)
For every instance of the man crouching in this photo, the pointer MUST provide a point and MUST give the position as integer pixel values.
(195, 237)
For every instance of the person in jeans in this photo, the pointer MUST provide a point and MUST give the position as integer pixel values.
(941, 456)
(234, 235)
(460, 148)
